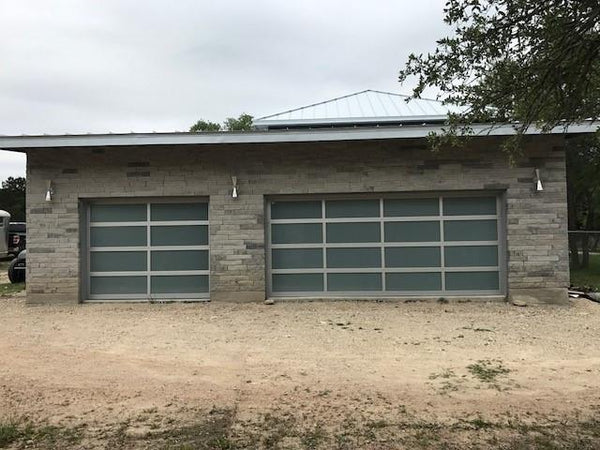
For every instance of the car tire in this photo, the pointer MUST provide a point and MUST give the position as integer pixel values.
(14, 275)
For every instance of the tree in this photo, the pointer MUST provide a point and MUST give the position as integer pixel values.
(203, 125)
(583, 188)
(525, 62)
(242, 123)
(12, 198)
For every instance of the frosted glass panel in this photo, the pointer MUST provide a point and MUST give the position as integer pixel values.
(118, 213)
(478, 255)
(179, 284)
(179, 260)
(353, 232)
(297, 233)
(353, 257)
(411, 207)
(117, 285)
(298, 258)
(179, 235)
(472, 281)
(118, 261)
(118, 236)
(298, 282)
(412, 257)
(470, 230)
(178, 211)
(296, 210)
(352, 208)
(409, 241)
(469, 206)
(354, 282)
(414, 281)
(412, 231)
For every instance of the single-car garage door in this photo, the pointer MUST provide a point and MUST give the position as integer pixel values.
(147, 250)
(435, 245)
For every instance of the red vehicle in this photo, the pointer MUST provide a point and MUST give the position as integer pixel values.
(17, 237)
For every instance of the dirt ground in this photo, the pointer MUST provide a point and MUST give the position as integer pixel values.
(142, 367)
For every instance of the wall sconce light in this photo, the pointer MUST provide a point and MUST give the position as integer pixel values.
(234, 191)
(538, 187)
(49, 191)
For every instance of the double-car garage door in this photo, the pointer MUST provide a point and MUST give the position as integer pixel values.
(435, 245)
(147, 250)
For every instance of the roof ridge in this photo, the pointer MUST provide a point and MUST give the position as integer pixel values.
(403, 95)
(314, 104)
(343, 97)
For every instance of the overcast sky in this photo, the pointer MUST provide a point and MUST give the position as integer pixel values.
(77, 66)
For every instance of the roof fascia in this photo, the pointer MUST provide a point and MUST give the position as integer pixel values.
(23, 143)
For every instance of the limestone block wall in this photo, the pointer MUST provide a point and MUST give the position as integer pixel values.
(536, 223)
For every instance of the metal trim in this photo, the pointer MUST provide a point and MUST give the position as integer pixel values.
(387, 244)
(138, 273)
(23, 143)
(156, 248)
(154, 224)
(384, 219)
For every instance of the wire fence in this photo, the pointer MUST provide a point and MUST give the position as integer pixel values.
(584, 249)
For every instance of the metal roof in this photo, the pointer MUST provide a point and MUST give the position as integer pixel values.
(364, 107)
(24, 143)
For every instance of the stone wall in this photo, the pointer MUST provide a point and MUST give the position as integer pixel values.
(536, 222)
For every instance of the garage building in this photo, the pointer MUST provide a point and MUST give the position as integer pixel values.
(341, 199)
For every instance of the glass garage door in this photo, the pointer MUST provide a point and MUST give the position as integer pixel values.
(396, 246)
(148, 251)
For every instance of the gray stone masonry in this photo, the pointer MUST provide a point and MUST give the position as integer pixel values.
(536, 222)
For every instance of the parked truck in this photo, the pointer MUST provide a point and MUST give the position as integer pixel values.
(17, 237)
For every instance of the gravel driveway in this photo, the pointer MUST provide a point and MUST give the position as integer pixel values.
(106, 363)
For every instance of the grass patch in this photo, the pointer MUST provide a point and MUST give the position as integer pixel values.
(314, 437)
(447, 373)
(42, 436)
(4, 263)
(8, 289)
(211, 432)
(447, 381)
(9, 433)
(487, 371)
(221, 429)
(589, 278)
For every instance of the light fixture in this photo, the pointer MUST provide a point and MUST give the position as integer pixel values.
(49, 191)
(234, 191)
(538, 187)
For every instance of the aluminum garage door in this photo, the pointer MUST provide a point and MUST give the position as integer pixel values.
(436, 245)
(148, 250)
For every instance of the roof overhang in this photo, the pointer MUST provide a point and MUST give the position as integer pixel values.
(24, 143)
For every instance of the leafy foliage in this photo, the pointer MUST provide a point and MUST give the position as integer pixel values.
(242, 123)
(203, 125)
(583, 189)
(12, 198)
(526, 62)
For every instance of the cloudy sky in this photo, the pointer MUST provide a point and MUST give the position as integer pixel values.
(77, 66)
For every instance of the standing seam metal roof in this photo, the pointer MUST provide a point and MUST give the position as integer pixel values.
(366, 106)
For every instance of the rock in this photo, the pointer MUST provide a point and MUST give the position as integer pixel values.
(269, 301)
(595, 296)
(521, 300)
